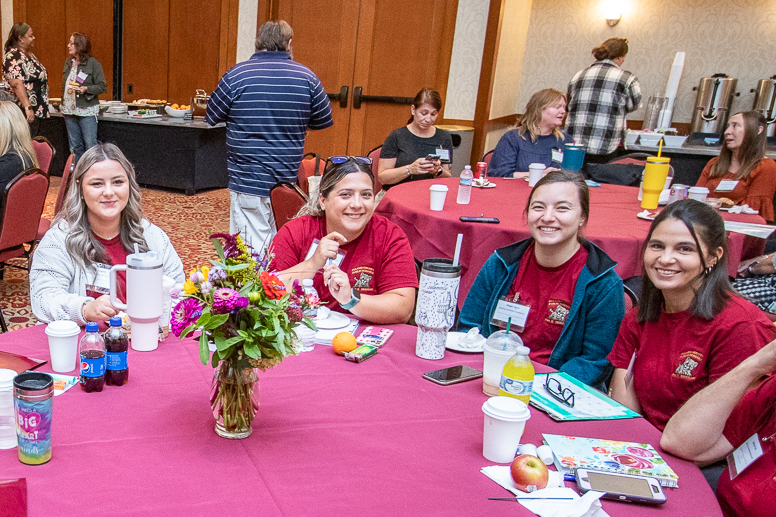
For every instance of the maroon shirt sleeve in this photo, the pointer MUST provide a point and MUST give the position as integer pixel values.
(627, 340)
(398, 264)
(752, 413)
(292, 242)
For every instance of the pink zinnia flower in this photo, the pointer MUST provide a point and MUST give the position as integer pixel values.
(184, 314)
(225, 300)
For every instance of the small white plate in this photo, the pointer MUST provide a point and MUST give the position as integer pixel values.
(487, 185)
(335, 320)
(452, 343)
(649, 216)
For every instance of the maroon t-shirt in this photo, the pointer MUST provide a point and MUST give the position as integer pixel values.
(679, 355)
(549, 292)
(116, 255)
(377, 261)
(753, 491)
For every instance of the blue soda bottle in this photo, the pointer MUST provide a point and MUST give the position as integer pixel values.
(92, 352)
(116, 346)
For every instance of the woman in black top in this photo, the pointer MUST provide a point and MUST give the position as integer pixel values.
(16, 152)
(25, 75)
(404, 154)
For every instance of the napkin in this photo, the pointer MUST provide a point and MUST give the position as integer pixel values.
(586, 506)
(742, 209)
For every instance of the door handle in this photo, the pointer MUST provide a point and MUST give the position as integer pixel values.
(358, 97)
(342, 97)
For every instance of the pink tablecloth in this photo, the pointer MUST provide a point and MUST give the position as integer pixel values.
(332, 438)
(613, 225)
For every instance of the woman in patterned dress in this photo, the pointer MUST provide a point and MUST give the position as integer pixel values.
(25, 76)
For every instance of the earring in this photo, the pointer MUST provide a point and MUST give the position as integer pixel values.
(709, 269)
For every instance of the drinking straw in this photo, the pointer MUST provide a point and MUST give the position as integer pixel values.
(509, 324)
(660, 148)
(137, 250)
(457, 250)
(529, 498)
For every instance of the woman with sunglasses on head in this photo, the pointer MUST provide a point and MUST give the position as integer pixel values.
(573, 297)
(742, 174)
(100, 223)
(690, 328)
(362, 263)
(537, 138)
(405, 153)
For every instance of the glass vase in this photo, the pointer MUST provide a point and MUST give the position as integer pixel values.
(234, 398)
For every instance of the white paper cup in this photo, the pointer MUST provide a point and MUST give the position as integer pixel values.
(535, 173)
(63, 345)
(492, 365)
(698, 193)
(505, 419)
(438, 195)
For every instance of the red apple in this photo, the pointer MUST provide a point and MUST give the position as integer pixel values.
(529, 473)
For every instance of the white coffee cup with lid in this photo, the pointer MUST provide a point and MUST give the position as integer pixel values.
(63, 345)
(697, 193)
(535, 173)
(505, 419)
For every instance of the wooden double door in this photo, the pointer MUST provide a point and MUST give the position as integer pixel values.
(372, 57)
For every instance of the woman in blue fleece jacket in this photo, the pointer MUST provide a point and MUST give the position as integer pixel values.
(574, 298)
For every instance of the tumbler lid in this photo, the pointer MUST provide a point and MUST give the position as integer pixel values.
(148, 260)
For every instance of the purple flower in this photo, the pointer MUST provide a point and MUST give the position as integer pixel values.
(175, 292)
(206, 286)
(230, 244)
(297, 288)
(217, 273)
(184, 314)
(225, 300)
(242, 302)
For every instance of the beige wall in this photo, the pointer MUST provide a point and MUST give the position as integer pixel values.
(736, 37)
(466, 59)
(509, 61)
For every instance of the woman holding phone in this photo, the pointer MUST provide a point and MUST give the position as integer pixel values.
(417, 151)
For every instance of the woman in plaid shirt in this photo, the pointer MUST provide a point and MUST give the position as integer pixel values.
(599, 98)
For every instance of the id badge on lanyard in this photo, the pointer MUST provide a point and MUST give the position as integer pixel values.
(101, 281)
(314, 246)
(506, 309)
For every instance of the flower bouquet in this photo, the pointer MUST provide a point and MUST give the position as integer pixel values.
(244, 309)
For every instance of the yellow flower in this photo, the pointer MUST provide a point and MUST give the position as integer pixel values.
(189, 287)
(205, 270)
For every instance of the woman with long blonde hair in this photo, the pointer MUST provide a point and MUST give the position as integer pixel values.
(99, 225)
(16, 152)
(536, 139)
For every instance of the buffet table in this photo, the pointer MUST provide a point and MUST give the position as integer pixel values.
(331, 437)
(166, 152)
(613, 224)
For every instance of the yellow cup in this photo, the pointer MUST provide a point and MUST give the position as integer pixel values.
(655, 175)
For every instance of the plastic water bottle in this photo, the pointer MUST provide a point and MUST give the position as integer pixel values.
(517, 376)
(116, 346)
(92, 352)
(465, 186)
(307, 287)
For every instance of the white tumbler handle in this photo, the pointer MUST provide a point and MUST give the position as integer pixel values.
(113, 298)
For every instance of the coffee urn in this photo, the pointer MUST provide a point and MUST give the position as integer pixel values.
(765, 103)
(712, 109)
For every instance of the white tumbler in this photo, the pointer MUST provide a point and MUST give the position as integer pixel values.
(144, 297)
(437, 300)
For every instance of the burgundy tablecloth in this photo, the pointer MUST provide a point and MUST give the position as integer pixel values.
(332, 437)
(613, 225)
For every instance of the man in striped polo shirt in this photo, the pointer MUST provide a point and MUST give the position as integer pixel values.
(267, 102)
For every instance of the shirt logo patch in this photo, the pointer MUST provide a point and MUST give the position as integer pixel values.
(688, 362)
(363, 277)
(559, 311)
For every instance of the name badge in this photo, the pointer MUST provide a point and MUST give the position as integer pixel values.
(81, 77)
(629, 371)
(726, 186)
(314, 246)
(101, 283)
(557, 156)
(444, 155)
(506, 310)
(741, 458)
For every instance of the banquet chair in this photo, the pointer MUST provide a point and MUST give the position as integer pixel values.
(2, 321)
(623, 170)
(487, 157)
(21, 205)
(44, 152)
(374, 154)
(45, 224)
(286, 200)
(312, 165)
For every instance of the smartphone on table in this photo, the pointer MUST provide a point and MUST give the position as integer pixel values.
(621, 487)
(452, 375)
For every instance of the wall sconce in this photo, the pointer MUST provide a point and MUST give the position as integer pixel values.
(611, 21)
(612, 11)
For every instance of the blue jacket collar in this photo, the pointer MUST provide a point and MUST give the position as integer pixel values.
(271, 54)
(598, 262)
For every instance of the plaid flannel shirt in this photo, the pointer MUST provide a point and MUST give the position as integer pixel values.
(599, 98)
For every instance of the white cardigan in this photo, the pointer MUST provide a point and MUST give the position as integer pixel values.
(58, 284)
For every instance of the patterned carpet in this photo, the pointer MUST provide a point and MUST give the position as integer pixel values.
(188, 220)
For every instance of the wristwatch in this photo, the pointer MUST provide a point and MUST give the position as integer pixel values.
(355, 297)
(29, 108)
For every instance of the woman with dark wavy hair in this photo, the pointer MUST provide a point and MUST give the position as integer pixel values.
(100, 223)
(742, 173)
(690, 328)
(25, 76)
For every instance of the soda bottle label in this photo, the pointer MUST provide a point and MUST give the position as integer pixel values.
(465, 182)
(516, 387)
(92, 367)
(117, 361)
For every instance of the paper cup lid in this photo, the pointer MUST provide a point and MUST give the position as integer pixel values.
(438, 188)
(62, 328)
(506, 408)
(698, 190)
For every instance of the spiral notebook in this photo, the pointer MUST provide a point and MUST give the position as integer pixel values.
(640, 459)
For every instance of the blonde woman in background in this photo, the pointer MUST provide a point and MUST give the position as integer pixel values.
(16, 152)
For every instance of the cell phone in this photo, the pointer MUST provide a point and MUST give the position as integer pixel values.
(621, 487)
(452, 375)
(432, 157)
(469, 219)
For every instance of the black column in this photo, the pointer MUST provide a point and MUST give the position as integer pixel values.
(118, 39)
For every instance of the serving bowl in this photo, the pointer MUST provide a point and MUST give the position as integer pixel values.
(175, 113)
(650, 139)
(673, 140)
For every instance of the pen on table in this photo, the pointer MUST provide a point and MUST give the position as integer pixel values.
(529, 498)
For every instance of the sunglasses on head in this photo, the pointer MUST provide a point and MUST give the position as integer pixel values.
(336, 160)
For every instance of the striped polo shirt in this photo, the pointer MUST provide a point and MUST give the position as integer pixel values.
(267, 102)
